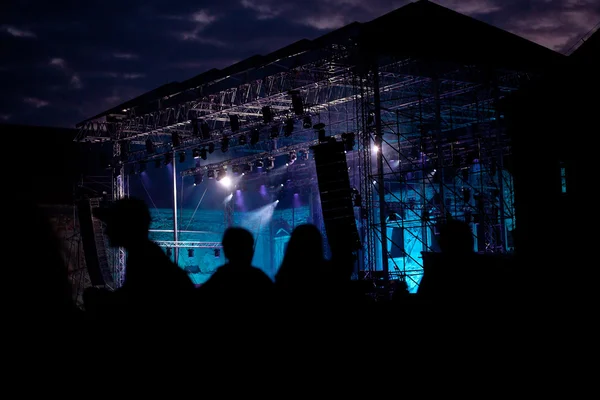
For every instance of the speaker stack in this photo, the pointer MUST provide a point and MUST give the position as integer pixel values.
(336, 198)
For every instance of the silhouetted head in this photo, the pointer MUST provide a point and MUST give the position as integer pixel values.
(238, 245)
(127, 221)
(306, 242)
(456, 237)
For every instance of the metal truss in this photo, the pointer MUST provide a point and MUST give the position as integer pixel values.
(188, 244)
(423, 116)
(442, 138)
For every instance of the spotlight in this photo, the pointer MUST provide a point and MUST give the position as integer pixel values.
(211, 148)
(205, 129)
(210, 174)
(267, 114)
(307, 123)
(270, 163)
(168, 158)
(224, 144)
(292, 157)
(203, 154)
(182, 157)
(288, 128)
(195, 129)
(169, 252)
(254, 136)
(303, 155)
(234, 121)
(197, 179)
(149, 146)
(242, 140)
(349, 142)
(175, 139)
(190, 253)
(196, 154)
(221, 173)
(260, 164)
(248, 167)
(217, 253)
(274, 132)
(142, 167)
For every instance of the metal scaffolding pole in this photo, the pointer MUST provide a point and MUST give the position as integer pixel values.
(380, 176)
(175, 225)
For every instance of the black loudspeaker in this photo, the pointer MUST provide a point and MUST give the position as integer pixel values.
(234, 121)
(336, 197)
(90, 250)
(397, 246)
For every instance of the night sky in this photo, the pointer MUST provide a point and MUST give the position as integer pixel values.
(65, 61)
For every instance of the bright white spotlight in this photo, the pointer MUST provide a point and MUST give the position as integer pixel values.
(226, 181)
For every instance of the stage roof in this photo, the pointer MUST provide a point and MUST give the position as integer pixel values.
(421, 30)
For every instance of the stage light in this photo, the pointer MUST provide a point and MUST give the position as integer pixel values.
(248, 167)
(303, 155)
(224, 144)
(254, 136)
(270, 163)
(260, 164)
(203, 154)
(169, 252)
(194, 123)
(242, 140)
(307, 123)
(288, 129)
(225, 181)
(142, 167)
(175, 139)
(211, 148)
(182, 157)
(292, 157)
(267, 114)
(168, 158)
(217, 253)
(274, 132)
(190, 253)
(297, 104)
(221, 173)
(149, 146)
(234, 121)
(198, 179)
(210, 174)
(205, 129)
(196, 154)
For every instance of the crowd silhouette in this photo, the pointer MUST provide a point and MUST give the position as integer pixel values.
(308, 293)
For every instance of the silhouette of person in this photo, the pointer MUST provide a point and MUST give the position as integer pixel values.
(303, 274)
(153, 283)
(237, 285)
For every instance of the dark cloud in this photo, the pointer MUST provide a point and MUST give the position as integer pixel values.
(65, 61)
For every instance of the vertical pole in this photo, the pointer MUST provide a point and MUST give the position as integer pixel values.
(438, 139)
(175, 227)
(380, 176)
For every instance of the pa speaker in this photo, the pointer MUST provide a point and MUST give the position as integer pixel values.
(336, 197)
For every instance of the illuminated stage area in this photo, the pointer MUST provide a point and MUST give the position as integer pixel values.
(421, 133)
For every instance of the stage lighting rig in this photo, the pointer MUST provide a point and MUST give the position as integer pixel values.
(196, 153)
